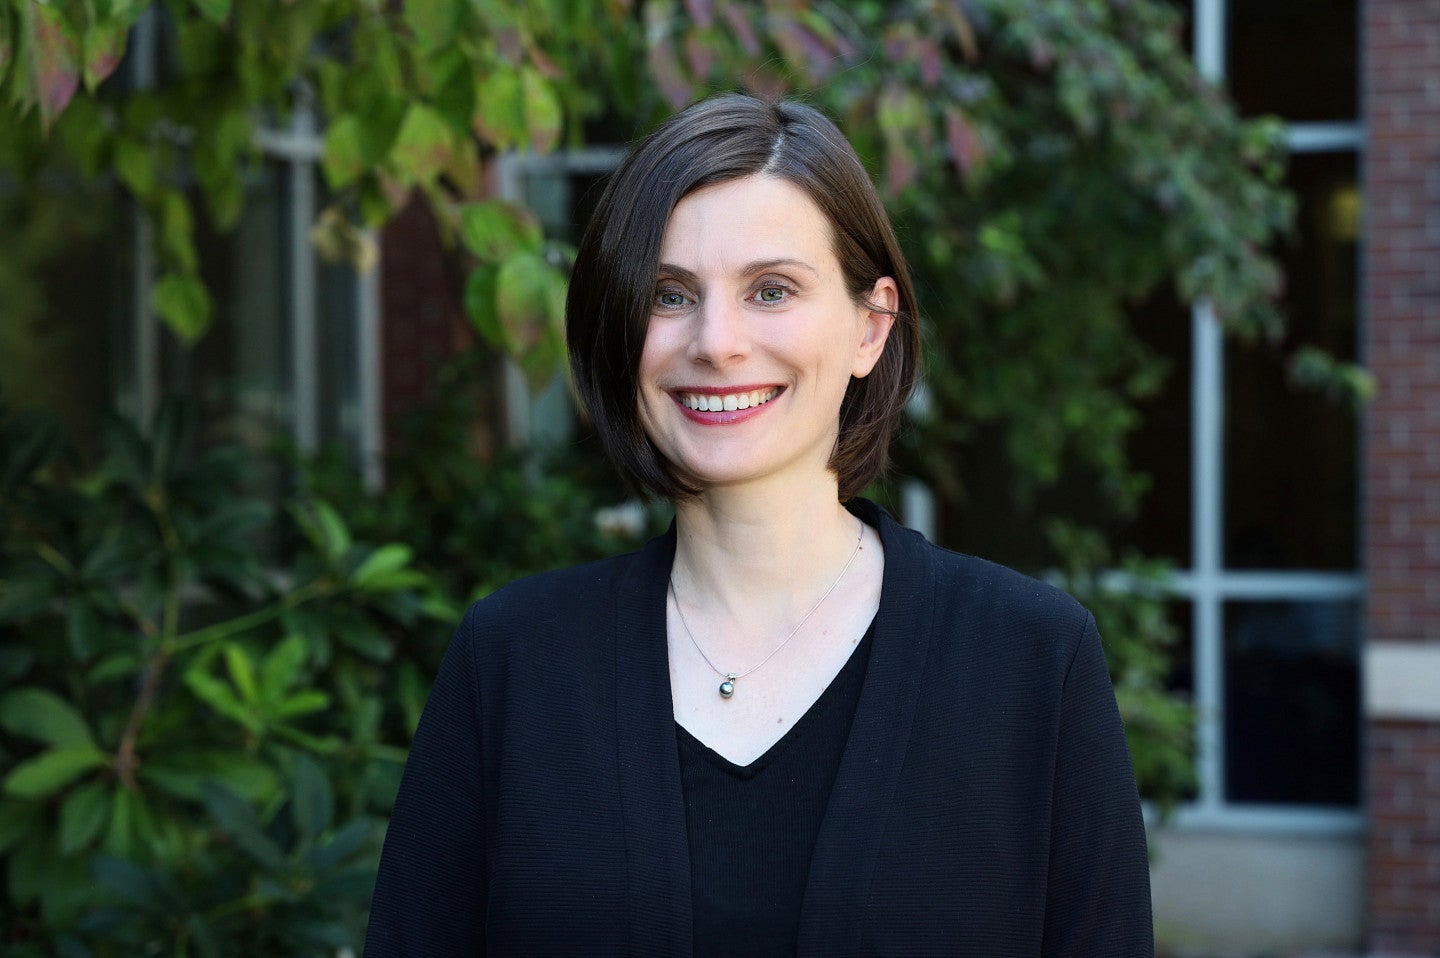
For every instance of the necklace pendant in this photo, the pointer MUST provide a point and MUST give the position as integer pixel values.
(727, 687)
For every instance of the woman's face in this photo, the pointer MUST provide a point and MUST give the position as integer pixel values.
(753, 337)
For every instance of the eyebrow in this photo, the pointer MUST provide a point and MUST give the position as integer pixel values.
(749, 269)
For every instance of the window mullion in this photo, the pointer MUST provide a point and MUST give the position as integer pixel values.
(304, 329)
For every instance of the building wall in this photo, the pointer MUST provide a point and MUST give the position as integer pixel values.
(1401, 90)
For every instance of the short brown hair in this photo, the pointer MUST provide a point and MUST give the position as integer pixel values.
(612, 286)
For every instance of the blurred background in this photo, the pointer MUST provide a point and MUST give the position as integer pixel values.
(281, 391)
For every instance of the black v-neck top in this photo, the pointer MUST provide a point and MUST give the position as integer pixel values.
(752, 828)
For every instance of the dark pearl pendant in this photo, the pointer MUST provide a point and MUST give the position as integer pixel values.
(727, 687)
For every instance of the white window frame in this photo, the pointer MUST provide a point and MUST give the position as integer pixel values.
(1208, 584)
(298, 147)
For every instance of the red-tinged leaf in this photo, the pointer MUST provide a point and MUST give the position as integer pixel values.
(543, 114)
(541, 61)
(803, 47)
(963, 31)
(966, 150)
(55, 61)
(899, 166)
(930, 62)
(740, 25)
(104, 48)
(701, 11)
(700, 55)
(764, 82)
(424, 145)
(665, 67)
(7, 43)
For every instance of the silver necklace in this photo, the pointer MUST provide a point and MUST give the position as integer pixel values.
(727, 686)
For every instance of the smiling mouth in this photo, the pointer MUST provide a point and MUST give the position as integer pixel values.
(729, 402)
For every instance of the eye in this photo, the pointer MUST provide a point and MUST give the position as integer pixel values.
(671, 298)
(772, 294)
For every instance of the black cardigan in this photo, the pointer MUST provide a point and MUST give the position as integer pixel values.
(985, 804)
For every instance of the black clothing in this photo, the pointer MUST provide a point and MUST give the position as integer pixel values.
(984, 805)
(752, 828)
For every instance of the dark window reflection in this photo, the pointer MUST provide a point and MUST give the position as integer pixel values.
(1292, 703)
(238, 372)
(1290, 455)
(66, 298)
(1294, 58)
(1160, 448)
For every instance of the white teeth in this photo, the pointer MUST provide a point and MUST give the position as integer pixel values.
(705, 402)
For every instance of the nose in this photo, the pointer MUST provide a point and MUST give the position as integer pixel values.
(719, 336)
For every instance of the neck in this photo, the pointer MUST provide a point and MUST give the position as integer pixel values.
(788, 546)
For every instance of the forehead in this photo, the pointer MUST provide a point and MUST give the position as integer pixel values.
(747, 220)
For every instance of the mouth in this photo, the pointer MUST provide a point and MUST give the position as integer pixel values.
(727, 401)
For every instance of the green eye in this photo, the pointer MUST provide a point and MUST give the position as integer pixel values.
(771, 294)
(670, 299)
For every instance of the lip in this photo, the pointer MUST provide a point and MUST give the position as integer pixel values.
(723, 417)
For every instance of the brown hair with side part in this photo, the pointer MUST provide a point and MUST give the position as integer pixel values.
(612, 286)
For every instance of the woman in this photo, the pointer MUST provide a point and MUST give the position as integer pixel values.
(790, 726)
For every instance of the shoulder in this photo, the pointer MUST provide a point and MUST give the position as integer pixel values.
(978, 614)
(558, 597)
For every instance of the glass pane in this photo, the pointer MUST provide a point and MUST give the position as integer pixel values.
(1290, 454)
(66, 301)
(238, 373)
(1160, 448)
(1294, 58)
(337, 305)
(1292, 697)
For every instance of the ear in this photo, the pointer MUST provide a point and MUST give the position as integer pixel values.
(877, 315)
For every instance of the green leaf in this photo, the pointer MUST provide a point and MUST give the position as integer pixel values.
(82, 630)
(184, 304)
(312, 801)
(54, 60)
(494, 229)
(334, 540)
(480, 299)
(432, 21)
(242, 671)
(216, 11)
(104, 46)
(135, 165)
(543, 114)
(22, 598)
(134, 885)
(219, 697)
(177, 233)
(388, 558)
(500, 109)
(424, 145)
(17, 820)
(82, 816)
(240, 822)
(40, 714)
(344, 159)
(184, 773)
(530, 301)
(114, 666)
(303, 703)
(282, 667)
(48, 773)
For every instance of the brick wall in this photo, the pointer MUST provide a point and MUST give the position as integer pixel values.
(422, 319)
(1401, 88)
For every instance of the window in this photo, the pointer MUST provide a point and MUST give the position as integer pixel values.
(291, 351)
(1267, 486)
